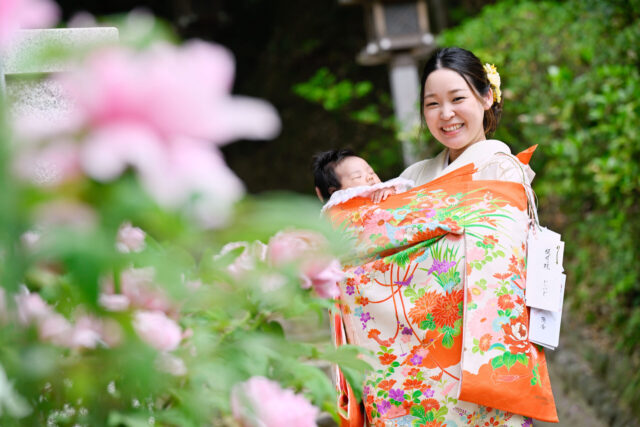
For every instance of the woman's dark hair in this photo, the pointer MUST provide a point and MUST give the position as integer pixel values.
(471, 70)
(324, 175)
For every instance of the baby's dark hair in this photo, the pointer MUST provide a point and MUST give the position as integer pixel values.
(324, 165)
(470, 68)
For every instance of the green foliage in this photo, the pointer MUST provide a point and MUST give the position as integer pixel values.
(571, 84)
(324, 89)
(360, 103)
(229, 324)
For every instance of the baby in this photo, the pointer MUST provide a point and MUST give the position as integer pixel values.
(341, 175)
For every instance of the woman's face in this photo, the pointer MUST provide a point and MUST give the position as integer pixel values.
(453, 111)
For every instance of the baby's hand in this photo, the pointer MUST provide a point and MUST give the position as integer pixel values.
(382, 194)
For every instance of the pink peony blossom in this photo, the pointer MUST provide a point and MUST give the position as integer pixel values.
(262, 402)
(157, 330)
(56, 329)
(49, 166)
(53, 327)
(130, 238)
(162, 112)
(171, 364)
(309, 249)
(246, 260)
(30, 240)
(31, 307)
(292, 245)
(114, 302)
(137, 290)
(137, 284)
(66, 213)
(323, 276)
(86, 333)
(17, 14)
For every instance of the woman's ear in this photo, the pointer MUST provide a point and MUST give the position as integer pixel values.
(487, 100)
(319, 194)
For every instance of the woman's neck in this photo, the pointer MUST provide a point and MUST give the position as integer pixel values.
(455, 153)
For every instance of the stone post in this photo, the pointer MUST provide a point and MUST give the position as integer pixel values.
(28, 96)
(405, 91)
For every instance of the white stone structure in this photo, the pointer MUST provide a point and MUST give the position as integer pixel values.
(32, 55)
(405, 91)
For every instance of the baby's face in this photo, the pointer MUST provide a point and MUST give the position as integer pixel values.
(354, 172)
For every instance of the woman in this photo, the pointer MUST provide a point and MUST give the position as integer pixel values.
(445, 258)
(461, 105)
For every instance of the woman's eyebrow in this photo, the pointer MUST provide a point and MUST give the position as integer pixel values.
(452, 91)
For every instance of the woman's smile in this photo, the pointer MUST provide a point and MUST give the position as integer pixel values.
(451, 129)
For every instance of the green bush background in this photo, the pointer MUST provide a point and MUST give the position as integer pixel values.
(571, 84)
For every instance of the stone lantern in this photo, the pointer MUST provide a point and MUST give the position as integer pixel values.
(399, 34)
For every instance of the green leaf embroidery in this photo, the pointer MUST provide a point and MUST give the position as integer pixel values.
(509, 359)
(447, 340)
(522, 358)
(497, 362)
(429, 323)
(417, 411)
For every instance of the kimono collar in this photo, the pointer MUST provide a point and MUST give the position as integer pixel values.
(476, 153)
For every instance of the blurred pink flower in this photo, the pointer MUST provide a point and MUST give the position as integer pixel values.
(138, 285)
(323, 276)
(65, 213)
(31, 307)
(171, 364)
(30, 239)
(246, 260)
(293, 245)
(310, 250)
(56, 163)
(162, 112)
(137, 290)
(157, 330)
(17, 14)
(260, 402)
(55, 328)
(130, 238)
(114, 302)
(86, 333)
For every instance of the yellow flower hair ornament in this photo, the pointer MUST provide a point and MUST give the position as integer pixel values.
(494, 81)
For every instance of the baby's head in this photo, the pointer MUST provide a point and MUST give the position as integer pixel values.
(339, 169)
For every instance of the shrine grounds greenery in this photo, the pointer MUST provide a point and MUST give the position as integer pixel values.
(571, 84)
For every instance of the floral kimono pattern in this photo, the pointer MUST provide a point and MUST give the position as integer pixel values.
(436, 291)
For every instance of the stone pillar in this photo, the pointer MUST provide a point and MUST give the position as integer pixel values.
(405, 91)
(26, 58)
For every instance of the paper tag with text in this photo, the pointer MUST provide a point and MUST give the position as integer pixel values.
(544, 327)
(545, 278)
